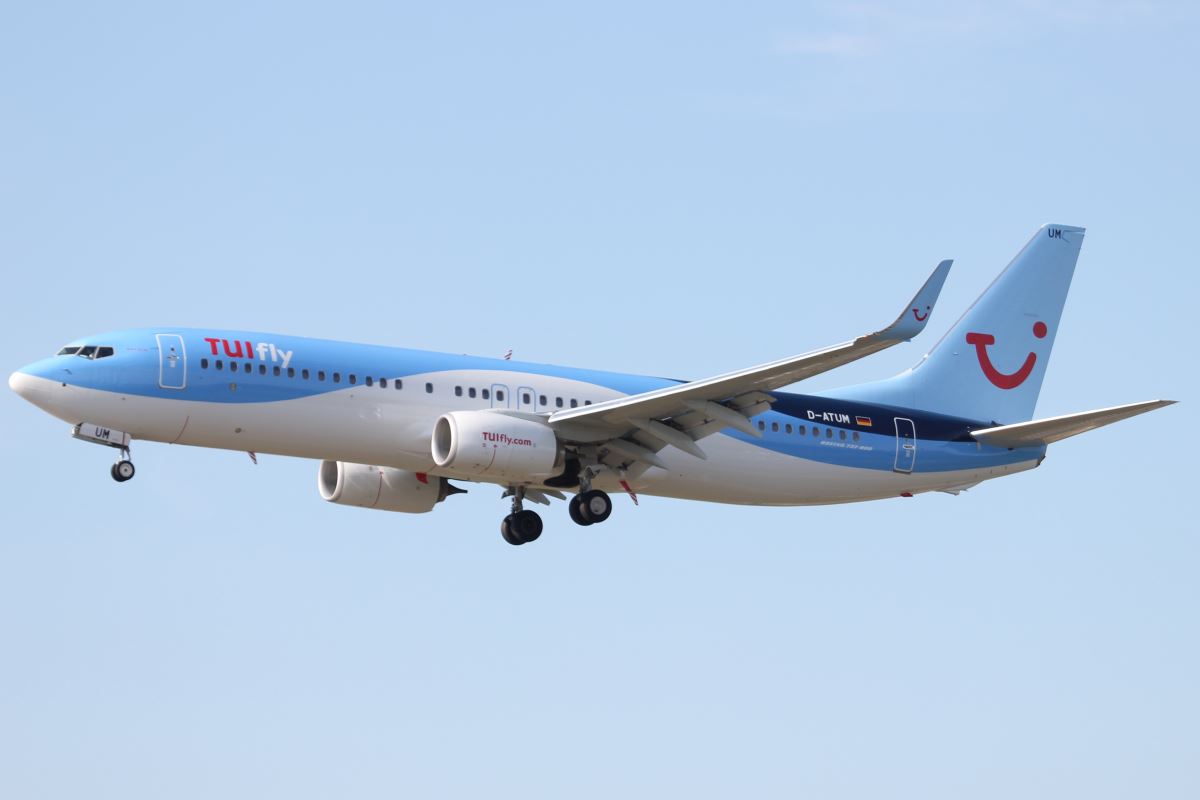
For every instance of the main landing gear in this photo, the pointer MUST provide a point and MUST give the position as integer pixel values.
(588, 507)
(522, 525)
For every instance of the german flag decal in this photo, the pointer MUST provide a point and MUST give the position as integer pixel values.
(863, 421)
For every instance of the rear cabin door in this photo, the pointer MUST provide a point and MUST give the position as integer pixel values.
(906, 445)
(172, 361)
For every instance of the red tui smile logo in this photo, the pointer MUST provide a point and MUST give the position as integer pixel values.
(1001, 379)
(917, 314)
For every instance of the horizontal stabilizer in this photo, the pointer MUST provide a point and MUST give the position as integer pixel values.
(1045, 431)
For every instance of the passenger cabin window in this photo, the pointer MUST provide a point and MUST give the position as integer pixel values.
(458, 391)
(574, 403)
(429, 388)
(353, 379)
(304, 374)
(787, 428)
(248, 367)
(471, 391)
(542, 400)
(762, 426)
(368, 381)
(499, 396)
(275, 371)
(320, 374)
(204, 363)
(399, 384)
(291, 372)
(774, 427)
(525, 398)
(262, 369)
(558, 403)
(220, 365)
(337, 377)
(383, 383)
(485, 393)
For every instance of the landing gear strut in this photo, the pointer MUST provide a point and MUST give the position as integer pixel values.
(521, 526)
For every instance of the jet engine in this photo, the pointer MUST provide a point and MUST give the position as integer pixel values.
(493, 446)
(382, 488)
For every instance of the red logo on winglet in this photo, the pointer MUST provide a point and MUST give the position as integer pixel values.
(1000, 379)
(917, 314)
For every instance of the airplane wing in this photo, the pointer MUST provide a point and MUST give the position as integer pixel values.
(679, 415)
(1052, 429)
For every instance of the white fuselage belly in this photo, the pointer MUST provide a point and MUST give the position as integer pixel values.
(369, 426)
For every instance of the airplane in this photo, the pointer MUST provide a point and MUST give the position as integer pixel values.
(392, 427)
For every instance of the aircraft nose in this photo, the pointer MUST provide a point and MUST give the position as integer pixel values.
(22, 383)
(48, 385)
(33, 384)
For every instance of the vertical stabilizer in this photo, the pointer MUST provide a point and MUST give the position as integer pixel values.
(991, 364)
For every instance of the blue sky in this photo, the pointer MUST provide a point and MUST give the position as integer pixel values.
(674, 190)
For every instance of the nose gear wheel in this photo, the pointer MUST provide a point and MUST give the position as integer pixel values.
(122, 470)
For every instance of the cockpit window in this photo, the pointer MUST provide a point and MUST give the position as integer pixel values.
(89, 351)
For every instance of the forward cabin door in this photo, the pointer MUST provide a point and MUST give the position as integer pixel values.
(172, 361)
(906, 445)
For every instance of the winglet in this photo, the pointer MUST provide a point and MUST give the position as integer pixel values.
(916, 314)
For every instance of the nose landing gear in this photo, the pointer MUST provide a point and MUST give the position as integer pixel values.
(97, 434)
(122, 470)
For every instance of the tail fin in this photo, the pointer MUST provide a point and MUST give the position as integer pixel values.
(991, 364)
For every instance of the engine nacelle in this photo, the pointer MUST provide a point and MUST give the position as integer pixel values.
(485, 444)
(383, 488)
